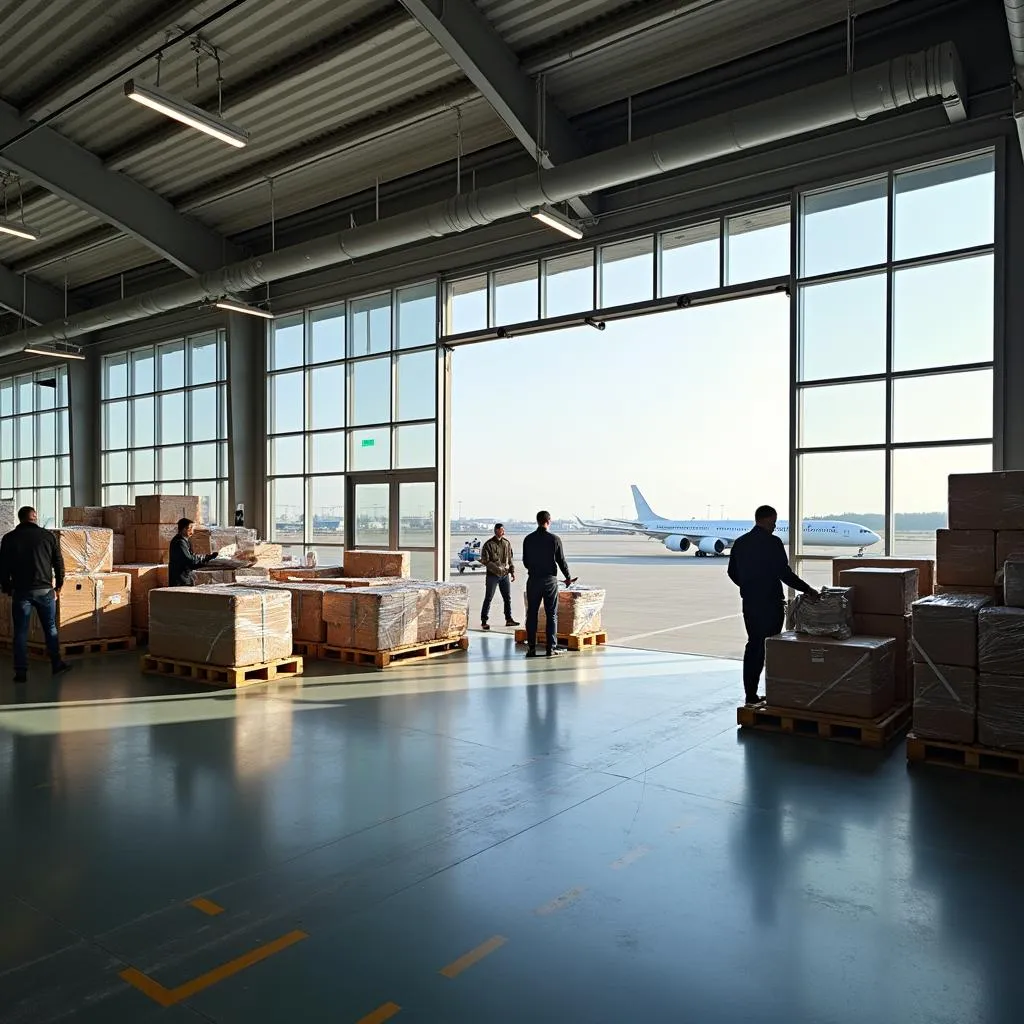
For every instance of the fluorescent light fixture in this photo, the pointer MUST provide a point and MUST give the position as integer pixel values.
(237, 306)
(59, 353)
(186, 113)
(16, 228)
(550, 216)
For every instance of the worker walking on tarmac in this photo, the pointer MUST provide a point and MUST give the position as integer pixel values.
(759, 567)
(543, 557)
(497, 557)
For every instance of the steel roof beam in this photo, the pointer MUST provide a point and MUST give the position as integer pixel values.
(38, 301)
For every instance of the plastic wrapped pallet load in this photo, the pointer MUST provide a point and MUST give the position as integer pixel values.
(225, 541)
(228, 626)
(1013, 582)
(830, 615)
(1001, 711)
(579, 610)
(82, 515)
(286, 573)
(213, 577)
(897, 628)
(86, 549)
(945, 702)
(307, 597)
(442, 610)
(392, 564)
(8, 515)
(167, 508)
(145, 577)
(94, 607)
(372, 618)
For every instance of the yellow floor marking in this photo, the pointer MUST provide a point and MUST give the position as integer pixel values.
(560, 902)
(381, 1014)
(634, 855)
(453, 970)
(206, 906)
(170, 996)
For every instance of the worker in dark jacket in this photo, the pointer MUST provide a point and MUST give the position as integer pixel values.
(32, 572)
(543, 557)
(759, 567)
(182, 559)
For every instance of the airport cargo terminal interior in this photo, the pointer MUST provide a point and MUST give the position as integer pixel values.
(311, 312)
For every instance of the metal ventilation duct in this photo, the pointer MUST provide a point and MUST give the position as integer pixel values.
(1015, 25)
(898, 83)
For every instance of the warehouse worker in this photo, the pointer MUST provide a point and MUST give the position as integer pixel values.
(32, 572)
(182, 559)
(543, 557)
(759, 567)
(497, 558)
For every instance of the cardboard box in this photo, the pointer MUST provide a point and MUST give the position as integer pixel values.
(130, 551)
(307, 598)
(852, 677)
(881, 591)
(925, 569)
(579, 610)
(269, 555)
(945, 702)
(6, 622)
(118, 518)
(167, 508)
(226, 541)
(144, 577)
(117, 549)
(361, 581)
(209, 577)
(443, 610)
(898, 629)
(965, 558)
(305, 572)
(154, 537)
(1001, 641)
(945, 629)
(152, 556)
(378, 563)
(227, 626)
(1008, 543)
(372, 618)
(1001, 712)
(986, 501)
(82, 515)
(96, 607)
(86, 549)
(994, 594)
(1013, 582)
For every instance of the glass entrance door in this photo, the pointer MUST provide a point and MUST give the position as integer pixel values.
(395, 511)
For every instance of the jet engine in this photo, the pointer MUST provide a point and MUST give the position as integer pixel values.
(711, 546)
(677, 543)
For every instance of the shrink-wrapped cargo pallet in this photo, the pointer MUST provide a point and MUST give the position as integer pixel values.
(372, 618)
(86, 549)
(945, 629)
(95, 607)
(378, 563)
(227, 541)
(578, 611)
(8, 515)
(1001, 711)
(1001, 641)
(144, 577)
(167, 508)
(898, 629)
(1013, 582)
(830, 615)
(307, 597)
(82, 515)
(298, 571)
(227, 626)
(945, 702)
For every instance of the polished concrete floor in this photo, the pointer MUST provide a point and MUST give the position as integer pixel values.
(487, 839)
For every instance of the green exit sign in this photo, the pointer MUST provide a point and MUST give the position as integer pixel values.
(369, 442)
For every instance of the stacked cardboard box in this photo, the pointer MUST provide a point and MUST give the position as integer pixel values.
(156, 523)
(82, 515)
(1013, 581)
(86, 549)
(91, 607)
(578, 612)
(226, 541)
(378, 563)
(306, 572)
(1001, 677)
(144, 577)
(925, 569)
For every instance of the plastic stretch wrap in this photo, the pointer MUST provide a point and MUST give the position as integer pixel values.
(225, 541)
(360, 581)
(994, 594)
(145, 577)
(443, 610)
(1013, 582)
(220, 625)
(307, 598)
(392, 564)
(831, 615)
(167, 508)
(96, 607)
(212, 577)
(266, 555)
(373, 618)
(965, 558)
(82, 515)
(119, 518)
(1001, 712)
(946, 629)
(886, 591)
(925, 569)
(304, 572)
(8, 516)
(118, 549)
(579, 610)
(1001, 641)
(1009, 543)
(898, 628)
(986, 501)
(86, 549)
(842, 677)
(945, 701)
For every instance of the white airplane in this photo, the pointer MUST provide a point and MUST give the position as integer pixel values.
(710, 538)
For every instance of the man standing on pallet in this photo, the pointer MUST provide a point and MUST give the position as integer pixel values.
(182, 559)
(497, 558)
(759, 567)
(32, 572)
(543, 557)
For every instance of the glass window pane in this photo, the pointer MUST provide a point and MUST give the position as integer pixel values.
(7, 397)
(6, 476)
(25, 475)
(143, 425)
(26, 441)
(944, 207)
(26, 394)
(327, 334)
(690, 259)
(62, 388)
(943, 314)
(415, 447)
(627, 272)
(371, 391)
(171, 487)
(417, 316)
(46, 391)
(203, 414)
(143, 365)
(203, 354)
(417, 386)
(286, 455)
(327, 397)
(287, 402)
(372, 509)
(371, 325)
(421, 565)
(115, 425)
(172, 418)
(46, 472)
(369, 449)
(64, 470)
(843, 328)
(115, 468)
(172, 365)
(844, 228)
(516, 295)
(206, 491)
(416, 515)
(46, 434)
(327, 507)
(63, 431)
(327, 452)
(172, 464)
(842, 414)
(569, 284)
(757, 245)
(142, 488)
(467, 305)
(286, 342)
(287, 510)
(46, 506)
(7, 439)
(143, 467)
(115, 376)
(204, 461)
(117, 495)
(944, 407)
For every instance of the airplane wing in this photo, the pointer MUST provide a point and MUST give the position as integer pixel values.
(634, 529)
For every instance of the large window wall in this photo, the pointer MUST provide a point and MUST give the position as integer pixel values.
(164, 423)
(35, 443)
(894, 337)
(351, 425)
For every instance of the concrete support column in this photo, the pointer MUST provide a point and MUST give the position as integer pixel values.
(1010, 304)
(85, 428)
(247, 433)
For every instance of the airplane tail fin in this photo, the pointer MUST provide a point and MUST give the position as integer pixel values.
(643, 510)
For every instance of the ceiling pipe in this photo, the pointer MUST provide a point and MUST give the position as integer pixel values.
(1015, 26)
(898, 83)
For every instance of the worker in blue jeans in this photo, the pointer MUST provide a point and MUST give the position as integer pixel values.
(32, 573)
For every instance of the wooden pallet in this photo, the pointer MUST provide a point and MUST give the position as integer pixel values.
(875, 733)
(574, 641)
(306, 648)
(383, 659)
(219, 675)
(968, 756)
(73, 649)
